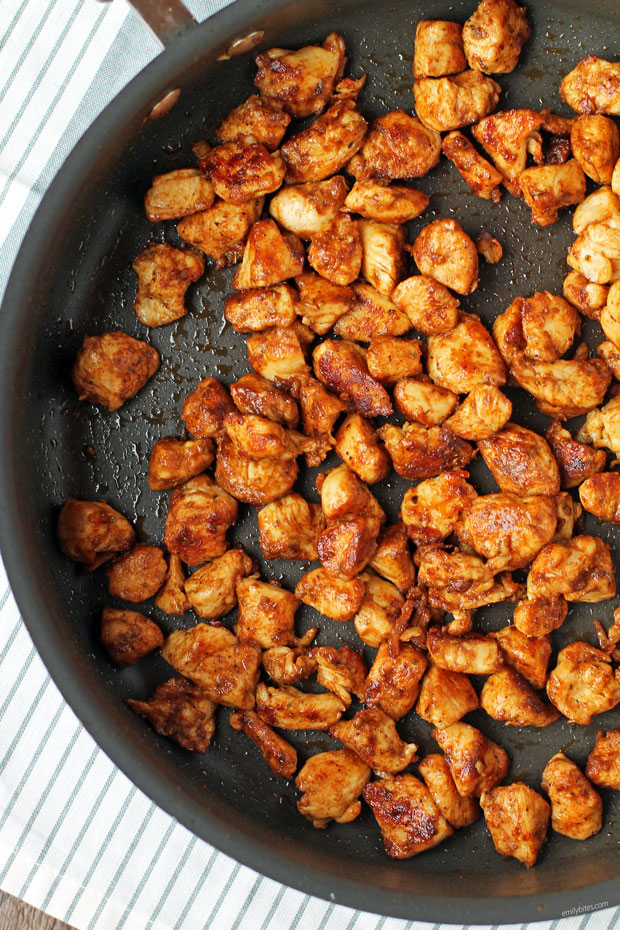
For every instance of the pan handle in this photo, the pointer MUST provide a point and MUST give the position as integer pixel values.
(166, 18)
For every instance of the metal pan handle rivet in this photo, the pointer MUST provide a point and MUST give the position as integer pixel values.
(165, 104)
(243, 45)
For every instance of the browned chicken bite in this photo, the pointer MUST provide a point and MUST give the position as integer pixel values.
(483, 179)
(583, 683)
(372, 316)
(603, 767)
(172, 598)
(111, 368)
(469, 654)
(432, 510)
(576, 460)
(445, 697)
(270, 256)
(178, 193)
(138, 574)
(264, 121)
(494, 35)
(331, 783)
(483, 413)
(409, 819)
(221, 231)
(372, 735)
(527, 655)
(206, 408)
(576, 808)
(518, 820)
(394, 203)
(345, 549)
(180, 710)
(254, 394)
(279, 755)
(423, 401)
(259, 308)
(507, 697)
(277, 354)
(309, 209)
(337, 598)
(389, 359)
(199, 514)
(383, 260)
(358, 445)
(602, 427)
(417, 452)
(438, 48)
(476, 763)
(325, 147)
(92, 532)
(595, 142)
(587, 297)
(465, 357)
(546, 189)
(521, 461)
(458, 811)
(345, 497)
(243, 170)
(393, 682)
(564, 389)
(600, 495)
(336, 252)
(289, 528)
(287, 666)
(301, 81)
(392, 559)
(267, 614)
(397, 146)
(211, 590)
(507, 530)
(174, 461)
(505, 137)
(128, 636)
(379, 610)
(447, 103)
(459, 583)
(341, 365)
(593, 86)
(430, 306)
(538, 616)
(322, 303)
(290, 709)
(444, 251)
(580, 570)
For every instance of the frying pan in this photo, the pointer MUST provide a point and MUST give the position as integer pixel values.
(73, 277)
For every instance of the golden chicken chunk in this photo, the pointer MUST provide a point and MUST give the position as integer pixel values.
(527, 655)
(309, 209)
(172, 598)
(287, 666)
(211, 590)
(128, 636)
(538, 616)
(593, 86)
(569, 512)
(489, 247)
(290, 709)
(277, 354)
(258, 118)
(603, 766)
(392, 559)
(336, 252)
(576, 460)
(587, 297)
(138, 574)
(600, 495)
(596, 254)
(393, 682)
(484, 412)
(445, 697)
(418, 452)
(270, 256)
(111, 368)
(601, 206)
(372, 736)
(482, 178)
(267, 614)
(383, 260)
(447, 103)
(322, 303)
(253, 481)
(576, 808)
(611, 356)
(602, 427)
(206, 408)
(580, 570)
(92, 532)
(289, 528)
(389, 359)
(341, 365)
(546, 189)
(444, 251)
(254, 394)
(199, 515)
(423, 401)
(302, 81)
(178, 193)
(261, 438)
(358, 445)
(610, 314)
(337, 598)
(372, 316)
(458, 811)
(225, 669)
(595, 142)
(174, 461)
(507, 697)
(438, 48)
(325, 147)
(476, 763)
(469, 654)
(397, 147)
(258, 308)
(583, 683)
(379, 610)
(430, 306)
(460, 582)
(279, 755)
(180, 710)
(346, 548)
(393, 203)
(549, 325)
(494, 35)
(505, 137)
(433, 509)
(518, 819)
(566, 388)
(342, 671)
(345, 497)
(221, 231)
(465, 357)
(408, 818)
(331, 783)
(507, 530)
(521, 462)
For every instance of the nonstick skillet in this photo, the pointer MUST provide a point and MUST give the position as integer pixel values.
(73, 277)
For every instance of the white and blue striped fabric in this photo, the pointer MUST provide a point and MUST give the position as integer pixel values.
(77, 839)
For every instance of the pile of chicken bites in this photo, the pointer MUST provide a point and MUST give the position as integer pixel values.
(339, 339)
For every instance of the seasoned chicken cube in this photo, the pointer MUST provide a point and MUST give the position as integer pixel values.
(211, 590)
(277, 354)
(267, 614)
(172, 598)
(581, 570)
(521, 461)
(359, 447)
(253, 481)
(256, 395)
(577, 461)
(548, 188)
(489, 247)
(507, 530)
(128, 636)
(309, 209)
(444, 251)
(111, 368)
(494, 35)
(423, 401)
(92, 532)
(538, 616)
(569, 512)
(266, 122)
(346, 548)
(505, 137)
(469, 654)
(587, 297)
(583, 683)
(566, 388)
(595, 142)
(392, 559)
(345, 497)
(279, 755)
(301, 81)
(576, 808)
(484, 412)
(341, 365)
(458, 811)
(527, 655)
(549, 326)
(518, 819)
(476, 763)
(290, 709)
(602, 427)
(445, 697)
(447, 103)
(287, 666)
(460, 582)
(174, 461)
(603, 767)
(325, 147)
(593, 86)
(261, 438)
(438, 48)
(610, 315)
(418, 452)
(430, 306)
(342, 671)
(289, 528)
(221, 231)
(394, 203)
(180, 710)
(206, 408)
(331, 783)
(397, 147)
(138, 574)
(210, 656)
(600, 495)
(379, 610)
(372, 315)
(383, 261)
(433, 509)
(319, 408)
(337, 598)
(602, 206)
(372, 736)
(408, 818)
(178, 193)
(595, 253)
(507, 697)
(482, 178)
(258, 308)
(336, 252)
(389, 359)
(393, 682)
(270, 256)
(611, 356)
(465, 357)
(199, 514)
(322, 303)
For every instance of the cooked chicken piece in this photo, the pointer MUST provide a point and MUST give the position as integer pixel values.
(111, 368)
(92, 532)
(483, 179)
(505, 137)
(569, 512)
(596, 253)
(128, 636)
(489, 247)
(465, 357)
(269, 257)
(444, 251)
(256, 395)
(418, 452)
(346, 548)
(430, 306)
(341, 365)
(518, 820)
(258, 118)
(243, 170)
(392, 559)
(325, 147)
(423, 401)
(253, 481)
(383, 261)
(460, 582)
(556, 125)
(589, 298)
(610, 315)
(301, 82)
(277, 354)
(393, 682)
(508, 331)
(447, 103)
(538, 616)
(181, 711)
(438, 48)
(372, 315)
(521, 462)
(445, 697)
(376, 200)
(322, 303)
(583, 683)
(433, 509)
(476, 763)
(138, 574)
(199, 514)
(261, 438)
(221, 231)
(319, 411)
(611, 356)
(287, 666)
(290, 709)
(601, 206)
(494, 35)
(593, 86)
(372, 735)
(336, 252)
(359, 447)
(458, 811)
(595, 142)
(397, 147)
(484, 412)
(337, 598)
(602, 427)
(279, 755)
(581, 570)
(408, 818)
(345, 497)
(309, 209)
(600, 495)
(576, 461)
(507, 530)
(576, 808)
(289, 528)
(603, 767)
(173, 461)
(507, 697)
(331, 783)
(389, 359)
(380, 609)
(172, 598)
(342, 671)
(469, 654)
(206, 408)
(527, 655)
(267, 614)
(211, 589)
(548, 188)
(258, 308)
(549, 325)
(178, 193)
(210, 656)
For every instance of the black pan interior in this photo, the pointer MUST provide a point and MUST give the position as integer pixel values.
(74, 278)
